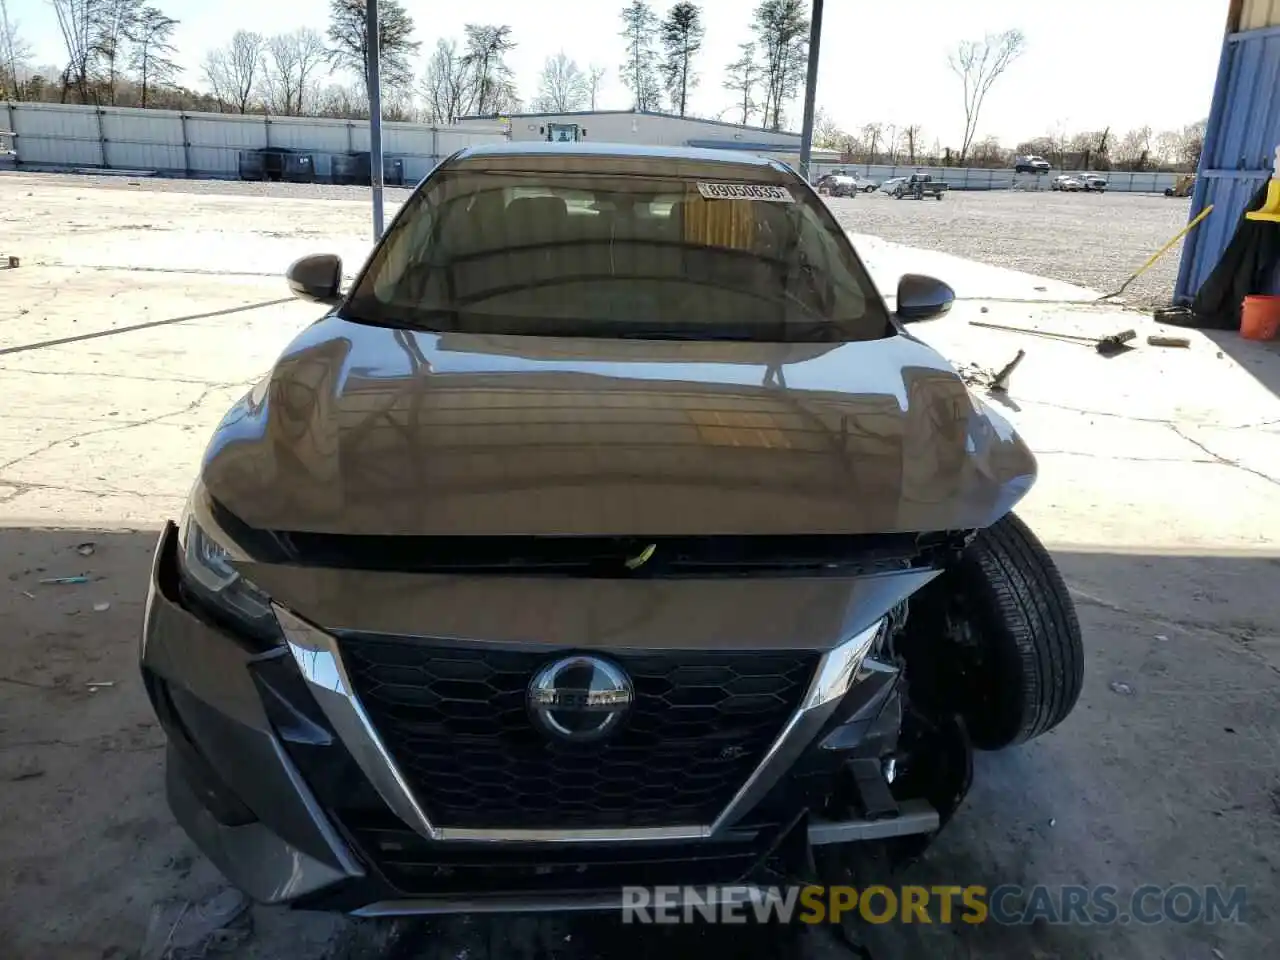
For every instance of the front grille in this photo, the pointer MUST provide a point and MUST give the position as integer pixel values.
(455, 720)
(419, 867)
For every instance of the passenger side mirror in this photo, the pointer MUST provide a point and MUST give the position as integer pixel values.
(316, 278)
(923, 298)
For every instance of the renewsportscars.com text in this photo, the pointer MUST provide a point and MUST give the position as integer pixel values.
(1099, 905)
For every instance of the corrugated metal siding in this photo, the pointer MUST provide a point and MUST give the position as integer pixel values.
(1240, 143)
(209, 144)
(1257, 14)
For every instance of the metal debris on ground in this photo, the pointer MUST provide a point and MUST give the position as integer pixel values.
(182, 930)
(976, 375)
(1162, 341)
(10, 262)
(62, 581)
(1110, 345)
(85, 549)
(95, 684)
(1120, 687)
(102, 606)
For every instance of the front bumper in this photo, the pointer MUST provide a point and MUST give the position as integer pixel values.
(275, 777)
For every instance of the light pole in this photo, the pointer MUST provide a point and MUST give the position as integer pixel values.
(375, 113)
(810, 88)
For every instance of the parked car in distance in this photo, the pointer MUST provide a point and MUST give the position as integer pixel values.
(1066, 183)
(849, 181)
(1183, 187)
(1030, 164)
(920, 185)
(836, 185)
(1092, 182)
(890, 185)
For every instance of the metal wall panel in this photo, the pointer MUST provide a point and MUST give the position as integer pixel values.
(1239, 147)
(1257, 14)
(142, 140)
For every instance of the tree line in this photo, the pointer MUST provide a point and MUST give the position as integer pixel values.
(120, 52)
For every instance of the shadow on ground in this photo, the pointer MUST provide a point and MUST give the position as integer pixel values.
(1166, 773)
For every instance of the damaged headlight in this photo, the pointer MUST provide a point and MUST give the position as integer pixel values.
(215, 585)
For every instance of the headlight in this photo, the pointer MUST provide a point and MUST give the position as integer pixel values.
(216, 585)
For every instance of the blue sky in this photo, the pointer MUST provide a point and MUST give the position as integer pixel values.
(1089, 63)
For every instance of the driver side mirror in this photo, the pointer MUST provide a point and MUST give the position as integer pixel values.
(316, 278)
(923, 298)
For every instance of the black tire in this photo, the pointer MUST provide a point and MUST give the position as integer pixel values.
(870, 189)
(1030, 657)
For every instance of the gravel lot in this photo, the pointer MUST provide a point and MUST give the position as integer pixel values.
(1095, 240)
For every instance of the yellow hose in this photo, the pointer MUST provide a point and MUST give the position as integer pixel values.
(1160, 253)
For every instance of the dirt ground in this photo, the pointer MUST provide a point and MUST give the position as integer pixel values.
(139, 314)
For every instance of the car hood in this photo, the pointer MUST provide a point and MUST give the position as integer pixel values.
(368, 430)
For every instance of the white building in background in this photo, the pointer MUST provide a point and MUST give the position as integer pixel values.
(657, 129)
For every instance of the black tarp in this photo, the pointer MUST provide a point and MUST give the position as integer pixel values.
(1246, 267)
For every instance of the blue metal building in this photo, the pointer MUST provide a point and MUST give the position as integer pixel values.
(1241, 140)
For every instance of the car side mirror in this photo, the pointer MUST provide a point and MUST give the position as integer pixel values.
(316, 278)
(923, 298)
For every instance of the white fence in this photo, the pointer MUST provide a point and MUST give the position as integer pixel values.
(969, 178)
(70, 136)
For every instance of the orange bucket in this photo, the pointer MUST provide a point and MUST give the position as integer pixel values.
(1260, 318)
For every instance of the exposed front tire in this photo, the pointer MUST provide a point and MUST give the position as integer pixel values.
(996, 640)
(1030, 657)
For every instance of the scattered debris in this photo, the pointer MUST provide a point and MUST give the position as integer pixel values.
(1042, 289)
(61, 581)
(1053, 821)
(986, 310)
(182, 930)
(1000, 383)
(1158, 341)
(1219, 954)
(1162, 638)
(85, 549)
(101, 606)
(28, 594)
(1110, 345)
(99, 684)
(1228, 729)
(1120, 687)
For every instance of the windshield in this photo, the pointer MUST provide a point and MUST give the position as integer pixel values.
(621, 247)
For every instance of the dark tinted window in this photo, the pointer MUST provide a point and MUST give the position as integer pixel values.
(646, 247)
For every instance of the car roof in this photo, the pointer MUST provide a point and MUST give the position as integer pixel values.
(580, 149)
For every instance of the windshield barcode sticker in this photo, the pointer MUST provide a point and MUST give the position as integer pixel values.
(745, 191)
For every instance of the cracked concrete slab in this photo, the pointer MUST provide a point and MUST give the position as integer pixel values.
(138, 316)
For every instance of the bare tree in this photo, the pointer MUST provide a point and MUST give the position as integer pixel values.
(639, 28)
(782, 30)
(979, 64)
(742, 77)
(447, 87)
(151, 56)
(892, 138)
(827, 134)
(595, 79)
(1133, 152)
(234, 72)
(349, 40)
(1193, 135)
(872, 134)
(76, 23)
(113, 24)
(290, 63)
(15, 54)
(911, 135)
(494, 83)
(562, 87)
(682, 35)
